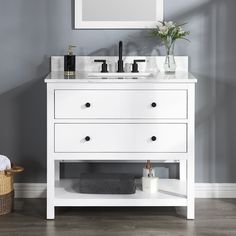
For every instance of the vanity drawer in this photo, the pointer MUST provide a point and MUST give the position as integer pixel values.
(159, 138)
(121, 104)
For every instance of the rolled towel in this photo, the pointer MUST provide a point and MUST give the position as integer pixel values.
(5, 163)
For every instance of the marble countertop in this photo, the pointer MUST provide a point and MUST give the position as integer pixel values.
(82, 77)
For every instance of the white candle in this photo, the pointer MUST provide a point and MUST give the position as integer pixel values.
(150, 184)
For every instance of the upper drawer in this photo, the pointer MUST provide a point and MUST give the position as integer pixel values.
(120, 104)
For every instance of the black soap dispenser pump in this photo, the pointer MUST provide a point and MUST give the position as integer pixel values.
(70, 62)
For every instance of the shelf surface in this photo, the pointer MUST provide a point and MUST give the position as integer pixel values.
(172, 192)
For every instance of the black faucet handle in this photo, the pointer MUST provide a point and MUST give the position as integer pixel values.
(135, 65)
(96, 60)
(139, 60)
(104, 65)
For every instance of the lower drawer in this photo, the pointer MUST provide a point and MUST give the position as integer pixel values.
(78, 138)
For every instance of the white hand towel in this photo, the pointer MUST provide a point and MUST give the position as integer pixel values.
(5, 163)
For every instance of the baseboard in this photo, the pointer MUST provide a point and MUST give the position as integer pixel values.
(202, 190)
(30, 190)
(215, 190)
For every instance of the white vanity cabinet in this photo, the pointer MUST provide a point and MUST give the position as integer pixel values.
(121, 120)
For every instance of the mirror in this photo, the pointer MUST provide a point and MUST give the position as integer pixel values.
(114, 14)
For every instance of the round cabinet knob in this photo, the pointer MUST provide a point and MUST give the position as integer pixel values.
(154, 104)
(154, 138)
(87, 104)
(87, 138)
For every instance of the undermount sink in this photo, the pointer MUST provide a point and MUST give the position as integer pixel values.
(119, 75)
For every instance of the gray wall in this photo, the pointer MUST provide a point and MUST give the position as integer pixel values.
(33, 30)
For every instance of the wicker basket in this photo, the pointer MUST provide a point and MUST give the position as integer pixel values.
(6, 203)
(6, 189)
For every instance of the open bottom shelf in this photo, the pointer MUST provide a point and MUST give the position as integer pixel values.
(172, 192)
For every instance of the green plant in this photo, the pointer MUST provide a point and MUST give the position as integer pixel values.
(169, 32)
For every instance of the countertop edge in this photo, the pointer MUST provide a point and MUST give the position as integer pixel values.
(83, 78)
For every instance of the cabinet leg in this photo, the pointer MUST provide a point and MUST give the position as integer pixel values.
(50, 188)
(50, 211)
(191, 210)
(190, 190)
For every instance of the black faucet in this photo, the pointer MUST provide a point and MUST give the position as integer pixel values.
(120, 61)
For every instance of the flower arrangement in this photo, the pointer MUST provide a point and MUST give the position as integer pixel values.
(169, 32)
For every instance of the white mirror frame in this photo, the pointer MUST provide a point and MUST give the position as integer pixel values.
(81, 24)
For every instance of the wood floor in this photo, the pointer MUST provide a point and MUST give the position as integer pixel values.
(213, 217)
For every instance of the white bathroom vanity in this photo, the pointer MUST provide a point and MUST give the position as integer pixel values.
(121, 120)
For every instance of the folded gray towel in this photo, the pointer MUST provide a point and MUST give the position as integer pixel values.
(98, 183)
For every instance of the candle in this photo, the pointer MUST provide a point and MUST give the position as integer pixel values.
(150, 184)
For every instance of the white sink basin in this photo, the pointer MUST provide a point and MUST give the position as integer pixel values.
(120, 75)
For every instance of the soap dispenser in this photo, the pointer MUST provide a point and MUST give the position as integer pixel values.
(70, 62)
